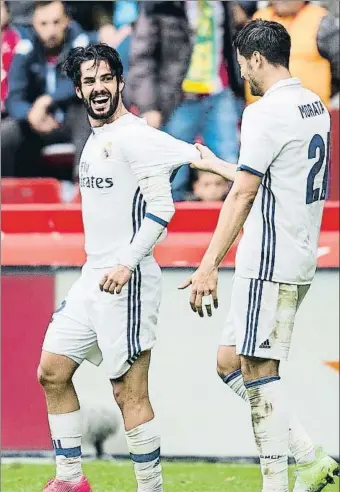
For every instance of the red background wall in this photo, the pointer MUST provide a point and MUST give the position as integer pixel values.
(27, 304)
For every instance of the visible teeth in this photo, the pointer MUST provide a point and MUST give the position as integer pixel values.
(101, 100)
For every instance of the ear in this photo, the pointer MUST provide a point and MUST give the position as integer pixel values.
(78, 92)
(257, 57)
(121, 84)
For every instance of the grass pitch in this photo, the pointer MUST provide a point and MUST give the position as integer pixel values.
(118, 476)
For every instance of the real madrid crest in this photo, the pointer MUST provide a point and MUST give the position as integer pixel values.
(107, 150)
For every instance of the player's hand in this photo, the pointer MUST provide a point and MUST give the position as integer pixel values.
(114, 37)
(114, 281)
(203, 289)
(207, 161)
(39, 118)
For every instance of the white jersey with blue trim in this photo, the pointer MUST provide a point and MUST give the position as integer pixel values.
(122, 163)
(285, 139)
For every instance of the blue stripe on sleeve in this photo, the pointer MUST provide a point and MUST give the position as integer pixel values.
(153, 217)
(250, 170)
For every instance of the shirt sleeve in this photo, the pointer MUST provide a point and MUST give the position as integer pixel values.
(152, 152)
(258, 143)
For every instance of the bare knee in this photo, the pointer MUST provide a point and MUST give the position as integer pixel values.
(253, 368)
(55, 372)
(129, 400)
(227, 361)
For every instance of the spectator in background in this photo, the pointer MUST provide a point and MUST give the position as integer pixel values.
(183, 75)
(89, 15)
(9, 40)
(208, 187)
(41, 102)
(315, 45)
(243, 12)
(21, 14)
(117, 30)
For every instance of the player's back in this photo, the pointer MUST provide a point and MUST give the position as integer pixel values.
(290, 202)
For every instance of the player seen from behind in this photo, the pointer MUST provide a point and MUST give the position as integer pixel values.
(280, 185)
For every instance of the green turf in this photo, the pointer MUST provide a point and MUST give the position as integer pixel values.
(118, 476)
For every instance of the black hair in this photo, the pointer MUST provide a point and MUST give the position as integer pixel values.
(95, 52)
(269, 38)
(44, 3)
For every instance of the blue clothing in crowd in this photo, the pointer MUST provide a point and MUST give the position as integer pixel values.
(31, 75)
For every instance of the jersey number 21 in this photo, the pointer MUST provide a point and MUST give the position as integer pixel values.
(318, 144)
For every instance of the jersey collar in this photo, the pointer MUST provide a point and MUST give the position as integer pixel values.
(123, 120)
(283, 83)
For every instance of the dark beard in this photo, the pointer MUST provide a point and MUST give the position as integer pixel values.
(114, 101)
(255, 89)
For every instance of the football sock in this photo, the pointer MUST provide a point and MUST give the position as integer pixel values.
(271, 428)
(144, 447)
(300, 444)
(235, 381)
(66, 437)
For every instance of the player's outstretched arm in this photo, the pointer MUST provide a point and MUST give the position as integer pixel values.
(211, 163)
(152, 157)
(232, 217)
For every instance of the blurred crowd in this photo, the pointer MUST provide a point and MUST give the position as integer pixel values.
(180, 70)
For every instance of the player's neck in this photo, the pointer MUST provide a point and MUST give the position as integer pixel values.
(121, 111)
(274, 77)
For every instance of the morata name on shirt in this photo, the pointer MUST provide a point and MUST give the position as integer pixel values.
(310, 110)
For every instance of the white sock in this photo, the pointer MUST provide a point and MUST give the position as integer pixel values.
(300, 444)
(235, 381)
(144, 446)
(271, 428)
(66, 437)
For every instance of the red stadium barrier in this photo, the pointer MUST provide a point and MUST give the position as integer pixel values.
(53, 235)
(190, 217)
(30, 190)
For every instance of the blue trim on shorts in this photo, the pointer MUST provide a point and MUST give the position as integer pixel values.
(257, 315)
(134, 288)
(146, 458)
(253, 315)
(261, 381)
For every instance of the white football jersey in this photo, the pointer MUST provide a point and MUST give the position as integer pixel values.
(285, 138)
(116, 157)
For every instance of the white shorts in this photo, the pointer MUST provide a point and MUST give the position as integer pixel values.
(261, 318)
(101, 327)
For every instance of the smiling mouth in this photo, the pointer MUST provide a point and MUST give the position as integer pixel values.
(100, 102)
